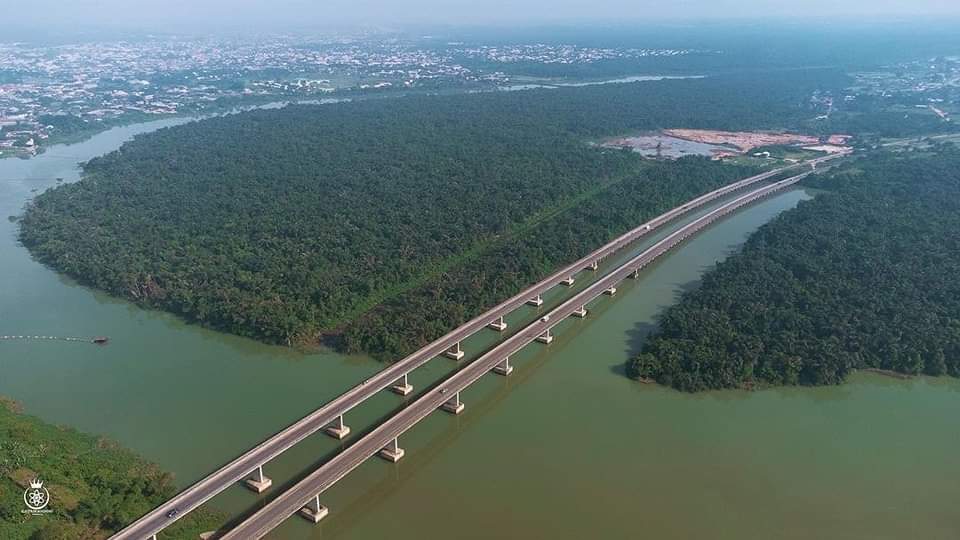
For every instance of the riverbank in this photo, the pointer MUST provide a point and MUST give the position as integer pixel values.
(132, 119)
(89, 484)
(889, 373)
(859, 277)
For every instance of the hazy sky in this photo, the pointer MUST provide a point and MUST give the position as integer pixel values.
(167, 14)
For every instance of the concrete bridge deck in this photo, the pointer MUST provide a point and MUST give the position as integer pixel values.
(251, 461)
(385, 437)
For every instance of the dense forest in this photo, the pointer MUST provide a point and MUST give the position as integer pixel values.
(95, 486)
(862, 276)
(286, 224)
(407, 321)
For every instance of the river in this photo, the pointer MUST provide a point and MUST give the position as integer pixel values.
(565, 448)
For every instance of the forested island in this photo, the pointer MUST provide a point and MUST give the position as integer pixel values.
(864, 276)
(96, 487)
(288, 225)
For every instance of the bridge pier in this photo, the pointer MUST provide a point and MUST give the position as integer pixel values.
(568, 282)
(594, 266)
(546, 338)
(503, 368)
(535, 302)
(499, 325)
(453, 405)
(258, 482)
(392, 452)
(402, 386)
(337, 429)
(635, 274)
(314, 511)
(611, 291)
(582, 312)
(455, 353)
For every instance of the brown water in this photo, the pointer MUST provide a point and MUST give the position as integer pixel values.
(566, 447)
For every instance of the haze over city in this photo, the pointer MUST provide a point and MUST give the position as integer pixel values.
(256, 15)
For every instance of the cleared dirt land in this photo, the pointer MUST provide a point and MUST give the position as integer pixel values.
(741, 140)
(675, 143)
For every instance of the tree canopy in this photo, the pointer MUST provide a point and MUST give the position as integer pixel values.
(862, 276)
(286, 224)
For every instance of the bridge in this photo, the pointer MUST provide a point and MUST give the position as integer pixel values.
(248, 467)
(384, 439)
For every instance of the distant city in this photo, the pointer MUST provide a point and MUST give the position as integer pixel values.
(61, 93)
(932, 84)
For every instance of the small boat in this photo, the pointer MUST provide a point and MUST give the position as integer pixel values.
(101, 340)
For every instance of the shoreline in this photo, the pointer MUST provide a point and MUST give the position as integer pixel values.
(135, 119)
(890, 373)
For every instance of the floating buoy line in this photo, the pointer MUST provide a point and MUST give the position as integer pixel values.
(96, 340)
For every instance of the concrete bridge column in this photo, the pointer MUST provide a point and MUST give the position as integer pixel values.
(453, 405)
(258, 482)
(546, 337)
(535, 302)
(582, 312)
(454, 353)
(314, 511)
(635, 274)
(499, 325)
(337, 429)
(568, 282)
(611, 291)
(594, 266)
(402, 386)
(503, 368)
(392, 452)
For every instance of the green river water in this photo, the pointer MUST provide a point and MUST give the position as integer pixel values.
(564, 448)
